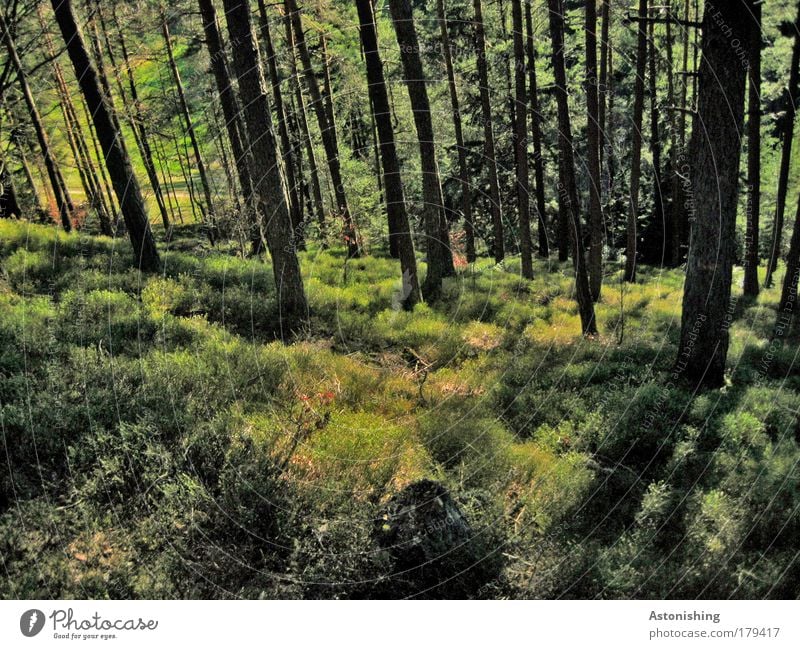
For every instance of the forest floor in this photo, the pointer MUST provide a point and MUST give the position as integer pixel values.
(161, 441)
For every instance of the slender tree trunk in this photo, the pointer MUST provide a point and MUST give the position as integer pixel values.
(655, 139)
(602, 91)
(675, 184)
(440, 259)
(570, 189)
(787, 314)
(187, 118)
(521, 142)
(305, 132)
(636, 144)
(125, 183)
(463, 170)
(136, 118)
(715, 150)
(593, 154)
(536, 136)
(488, 134)
(287, 153)
(105, 183)
(751, 257)
(63, 201)
(269, 187)
(786, 154)
(327, 131)
(399, 228)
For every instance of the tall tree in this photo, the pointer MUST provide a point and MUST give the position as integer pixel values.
(183, 105)
(440, 258)
(489, 152)
(268, 182)
(399, 228)
(636, 144)
(787, 307)
(593, 153)
(126, 185)
(326, 128)
(715, 150)
(753, 215)
(62, 198)
(570, 188)
(521, 142)
(787, 123)
(463, 170)
(659, 223)
(536, 135)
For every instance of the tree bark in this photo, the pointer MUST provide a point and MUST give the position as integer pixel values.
(62, 198)
(536, 136)
(569, 188)
(440, 259)
(751, 257)
(786, 154)
(660, 225)
(118, 163)
(675, 206)
(715, 150)
(463, 170)
(326, 128)
(593, 154)
(787, 314)
(183, 104)
(268, 186)
(488, 134)
(521, 142)
(399, 228)
(636, 144)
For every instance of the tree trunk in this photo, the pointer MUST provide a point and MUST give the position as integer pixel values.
(119, 166)
(675, 181)
(602, 90)
(287, 153)
(440, 259)
(305, 133)
(399, 228)
(521, 142)
(569, 188)
(715, 149)
(488, 134)
(593, 154)
(187, 118)
(136, 117)
(660, 225)
(786, 307)
(268, 186)
(536, 136)
(63, 200)
(463, 170)
(327, 131)
(636, 144)
(751, 257)
(786, 154)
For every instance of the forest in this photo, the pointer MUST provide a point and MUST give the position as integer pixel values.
(374, 299)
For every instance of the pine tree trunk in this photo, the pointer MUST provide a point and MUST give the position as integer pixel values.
(399, 228)
(536, 136)
(569, 189)
(521, 142)
(287, 153)
(440, 259)
(463, 170)
(119, 166)
(488, 134)
(786, 154)
(63, 201)
(660, 227)
(636, 144)
(593, 154)
(183, 105)
(269, 186)
(674, 255)
(305, 133)
(751, 257)
(602, 91)
(327, 130)
(715, 151)
(787, 314)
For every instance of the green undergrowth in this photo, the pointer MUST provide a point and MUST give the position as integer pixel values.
(160, 440)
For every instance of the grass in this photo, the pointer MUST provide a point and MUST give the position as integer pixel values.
(162, 443)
